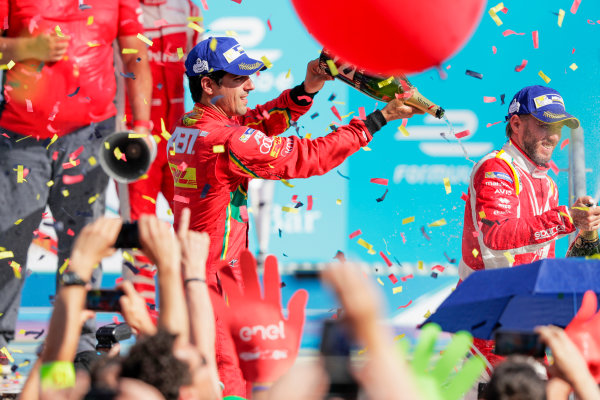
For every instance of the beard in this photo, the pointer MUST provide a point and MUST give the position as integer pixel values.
(530, 145)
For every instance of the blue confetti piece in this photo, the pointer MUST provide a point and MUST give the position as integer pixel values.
(382, 198)
(315, 115)
(84, 7)
(128, 75)
(205, 190)
(279, 232)
(215, 99)
(159, 86)
(75, 92)
(474, 74)
(343, 176)
(331, 97)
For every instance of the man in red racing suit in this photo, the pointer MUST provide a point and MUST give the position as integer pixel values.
(512, 216)
(220, 145)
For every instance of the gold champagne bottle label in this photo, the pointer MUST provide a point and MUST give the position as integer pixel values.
(419, 101)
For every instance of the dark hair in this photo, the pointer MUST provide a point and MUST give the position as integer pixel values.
(195, 83)
(153, 361)
(515, 379)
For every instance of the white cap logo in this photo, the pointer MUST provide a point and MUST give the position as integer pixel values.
(514, 107)
(200, 66)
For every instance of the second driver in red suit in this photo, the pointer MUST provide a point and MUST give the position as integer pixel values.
(221, 145)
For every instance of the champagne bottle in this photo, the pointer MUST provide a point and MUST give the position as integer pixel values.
(586, 244)
(377, 86)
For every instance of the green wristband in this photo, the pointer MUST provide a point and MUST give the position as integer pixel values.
(57, 375)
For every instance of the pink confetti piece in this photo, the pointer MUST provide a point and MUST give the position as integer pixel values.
(494, 49)
(181, 199)
(575, 6)
(553, 167)
(393, 278)
(204, 5)
(265, 114)
(520, 67)
(309, 206)
(160, 22)
(387, 260)
(55, 156)
(589, 21)
(72, 179)
(380, 181)
(29, 105)
(115, 319)
(438, 268)
(244, 213)
(564, 143)
(70, 232)
(269, 23)
(295, 198)
(71, 164)
(462, 134)
(403, 237)
(406, 305)
(76, 153)
(361, 113)
(306, 98)
(407, 277)
(464, 197)
(509, 32)
(492, 124)
(504, 10)
(489, 99)
(536, 39)
(448, 66)
(573, 51)
(335, 112)
(182, 167)
(355, 234)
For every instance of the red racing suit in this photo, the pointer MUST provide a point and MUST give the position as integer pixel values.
(512, 217)
(213, 157)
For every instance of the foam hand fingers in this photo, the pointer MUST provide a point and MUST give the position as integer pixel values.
(230, 285)
(424, 348)
(249, 276)
(453, 353)
(272, 282)
(296, 307)
(589, 306)
(465, 379)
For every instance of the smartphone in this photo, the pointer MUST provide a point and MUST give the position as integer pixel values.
(336, 349)
(129, 237)
(103, 300)
(527, 343)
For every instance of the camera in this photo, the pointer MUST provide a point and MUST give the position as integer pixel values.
(336, 349)
(129, 236)
(526, 343)
(109, 335)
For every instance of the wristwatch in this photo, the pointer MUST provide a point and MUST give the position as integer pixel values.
(71, 279)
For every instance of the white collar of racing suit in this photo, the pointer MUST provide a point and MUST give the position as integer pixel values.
(523, 161)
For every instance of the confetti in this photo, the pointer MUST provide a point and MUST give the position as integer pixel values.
(536, 39)
(4, 351)
(439, 222)
(6, 254)
(74, 93)
(509, 257)
(269, 24)
(361, 113)
(393, 278)
(179, 53)
(379, 181)
(213, 44)
(493, 13)
(437, 268)
(553, 167)
(380, 281)
(58, 31)
(355, 234)
(20, 173)
(464, 197)
(561, 17)
(462, 134)
(404, 131)
(475, 253)
(521, 66)
(181, 199)
(129, 51)
(397, 289)
(407, 277)
(266, 61)
(406, 305)
(148, 198)
(489, 99)
(17, 222)
(382, 198)
(492, 124)
(573, 66)
(29, 105)
(575, 6)
(315, 115)
(474, 74)
(494, 49)
(335, 112)
(286, 183)
(338, 202)
(144, 39)
(385, 82)
(205, 190)
(290, 210)
(343, 176)
(544, 77)
(72, 179)
(309, 204)
(425, 235)
(196, 27)
(288, 73)
(564, 143)
(387, 260)
(365, 244)
(447, 186)
(65, 192)
(408, 220)
(218, 148)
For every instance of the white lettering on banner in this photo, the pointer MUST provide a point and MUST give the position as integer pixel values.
(548, 233)
(424, 174)
(269, 332)
(291, 223)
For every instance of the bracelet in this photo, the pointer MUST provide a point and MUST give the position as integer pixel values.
(143, 124)
(260, 388)
(57, 375)
(188, 280)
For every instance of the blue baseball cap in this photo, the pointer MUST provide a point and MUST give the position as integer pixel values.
(228, 56)
(544, 103)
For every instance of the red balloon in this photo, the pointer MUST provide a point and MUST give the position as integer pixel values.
(391, 36)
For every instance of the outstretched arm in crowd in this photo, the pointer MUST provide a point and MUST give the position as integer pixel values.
(43, 47)
(194, 251)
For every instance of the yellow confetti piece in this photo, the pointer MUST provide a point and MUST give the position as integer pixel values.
(231, 33)
(17, 222)
(133, 135)
(290, 210)
(266, 61)
(308, 136)
(495, 17)
(213, 44)
(447, 185)
(144, 39)
(404, 131)
(439, 222)
(196, 18)
(544, 77)
(128, 257)
(286, 75)
(566, 216)
(366, 148)
(129, 51)
(141, 178)
(385, 82)
(157, 139)
(482, 214)
(365, 244)
(218, 148)
(475, 252)
(20, 178)
(400, 336)
(163, 130)
(54, 138)
(169, 212)
(90, 20)
(332, 68)
(380, 282)
(93, 44)
(16, 269)
(397, 289)
(372, 251)
(338, 202)
(196, 27)
(65, 193)
(427, 314)
(64, 266)
(150, 199)
(58, 31)
(573, 66)
(10, 64)
(180, 53)
(420, 264)
(341, 103)
(347, 115)
(6, 254)
(22, 331)
(117, 153)
(286, 183)
(4, 351)
(24, 363)
(509, 257)
(408, 220)
(93, 198)
(561, 17)
(123, 120)
(50, 183)
(92, 161)
(362, 351)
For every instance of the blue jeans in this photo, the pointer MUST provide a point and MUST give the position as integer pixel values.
(27, 200)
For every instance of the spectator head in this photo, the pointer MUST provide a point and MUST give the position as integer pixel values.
(516, 379)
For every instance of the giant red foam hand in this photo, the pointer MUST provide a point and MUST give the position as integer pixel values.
(584, 331)
(267, 344)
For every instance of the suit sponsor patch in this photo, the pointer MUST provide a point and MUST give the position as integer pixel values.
(498, 175)
(246, 135)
